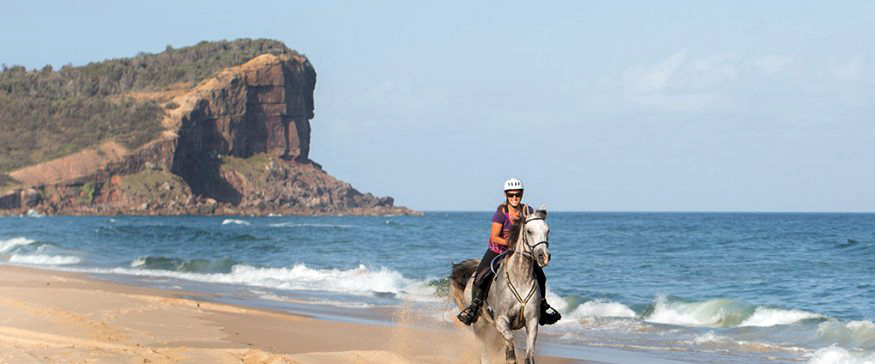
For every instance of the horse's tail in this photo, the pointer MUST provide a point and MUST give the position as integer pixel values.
(459, 276)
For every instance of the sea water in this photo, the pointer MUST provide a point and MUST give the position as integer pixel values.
(695, 287)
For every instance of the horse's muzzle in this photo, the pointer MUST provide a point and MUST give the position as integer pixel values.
(543, 259)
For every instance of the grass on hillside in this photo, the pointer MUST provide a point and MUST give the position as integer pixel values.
(46, 114)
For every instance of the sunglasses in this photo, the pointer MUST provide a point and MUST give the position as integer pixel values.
(512, 195)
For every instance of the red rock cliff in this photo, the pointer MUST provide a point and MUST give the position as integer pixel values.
(237, 143)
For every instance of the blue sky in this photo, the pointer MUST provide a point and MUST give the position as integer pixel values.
(606, 106)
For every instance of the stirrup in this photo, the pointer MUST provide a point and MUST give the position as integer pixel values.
(548, 317)
(469, 315)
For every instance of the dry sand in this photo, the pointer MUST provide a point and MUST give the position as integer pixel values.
(50, 316)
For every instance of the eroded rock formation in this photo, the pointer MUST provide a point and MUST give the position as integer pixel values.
(237, 143)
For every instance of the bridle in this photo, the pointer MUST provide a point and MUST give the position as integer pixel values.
(530, 252)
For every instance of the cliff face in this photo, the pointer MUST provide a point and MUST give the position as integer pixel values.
(237, 143)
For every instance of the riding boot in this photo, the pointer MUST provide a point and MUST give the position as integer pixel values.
(549, 315)
(470, 314)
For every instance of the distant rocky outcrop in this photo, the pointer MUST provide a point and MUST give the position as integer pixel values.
(236, 143)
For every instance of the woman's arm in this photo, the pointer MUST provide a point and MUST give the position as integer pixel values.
(495, 234)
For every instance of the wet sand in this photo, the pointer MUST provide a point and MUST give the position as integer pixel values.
(51, 316)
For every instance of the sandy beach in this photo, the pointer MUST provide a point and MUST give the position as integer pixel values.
(60, 317)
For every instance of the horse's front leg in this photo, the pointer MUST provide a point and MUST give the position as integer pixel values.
(531, 338)
(503, 326)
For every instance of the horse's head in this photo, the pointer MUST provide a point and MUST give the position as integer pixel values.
(535, 237)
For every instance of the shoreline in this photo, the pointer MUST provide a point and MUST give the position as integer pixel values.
(57, 316)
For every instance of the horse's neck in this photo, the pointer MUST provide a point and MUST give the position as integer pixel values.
(519, 266)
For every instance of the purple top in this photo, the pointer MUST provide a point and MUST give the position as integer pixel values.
(502, 217)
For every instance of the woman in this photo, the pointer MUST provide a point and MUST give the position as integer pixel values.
(508, 214)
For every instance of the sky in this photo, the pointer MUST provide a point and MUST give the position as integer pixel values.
(595, 105)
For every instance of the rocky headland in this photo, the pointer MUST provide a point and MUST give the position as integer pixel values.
(236, 142)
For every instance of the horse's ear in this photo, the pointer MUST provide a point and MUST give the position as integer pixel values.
(543, 210)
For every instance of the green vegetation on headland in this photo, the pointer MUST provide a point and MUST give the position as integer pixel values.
(46, 114)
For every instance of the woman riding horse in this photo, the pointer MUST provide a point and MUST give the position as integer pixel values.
(506, 216)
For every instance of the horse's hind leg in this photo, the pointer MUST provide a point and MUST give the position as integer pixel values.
(503, 326)
(481, 331)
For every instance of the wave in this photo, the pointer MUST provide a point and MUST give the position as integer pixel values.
(712, 313)
(382, 282)
(602, 308)
(40, 259)
(296, 224)
(834, 354)
(180, 265)
(175, 233)
(236, 222)
(723, 313)
(8, 246)
(764, 317)
(853, 334)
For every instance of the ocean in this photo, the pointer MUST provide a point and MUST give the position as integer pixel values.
(687, 287)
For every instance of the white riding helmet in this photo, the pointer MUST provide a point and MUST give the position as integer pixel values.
(513, 184)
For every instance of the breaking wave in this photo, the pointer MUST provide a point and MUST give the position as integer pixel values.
(601, 308)
(363, 281)
(723, 313)
(853, 334)
(764, 317)
(838, 355)
(236, 222)
(181, 265)
(11, 245)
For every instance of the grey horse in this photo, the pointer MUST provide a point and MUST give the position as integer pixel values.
(513, 301)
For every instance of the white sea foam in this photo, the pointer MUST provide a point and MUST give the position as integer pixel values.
(558, 303)
(235, 221)
(601, 308)
(712, 340)
(357, 281)
(838, 355)
(138, 262)
(39, 259)
(764, 317)
(273, 297)
(7, 246)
